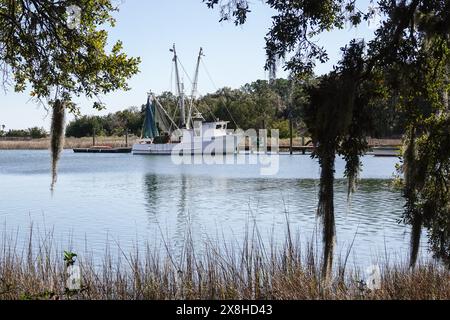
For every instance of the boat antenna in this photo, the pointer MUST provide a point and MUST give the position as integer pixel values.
(180, 89)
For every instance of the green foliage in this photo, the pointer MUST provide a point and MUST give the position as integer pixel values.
(413, 50)
(41, 49)
(16, 133)
(69, 258)
(82, 127)
(260, 104)
(34, 132)
(37, 133)
(283, 127)
(114, 124)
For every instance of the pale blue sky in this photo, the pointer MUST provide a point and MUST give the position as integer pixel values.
(234, 55)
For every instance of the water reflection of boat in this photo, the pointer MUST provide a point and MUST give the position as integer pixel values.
(191, 134)
(386, 151)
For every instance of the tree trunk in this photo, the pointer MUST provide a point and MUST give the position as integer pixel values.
(326, 212)
(291, 142)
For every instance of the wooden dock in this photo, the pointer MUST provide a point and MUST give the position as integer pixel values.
(296, 149)
(386, 151)
(375, 150)
(102, 149)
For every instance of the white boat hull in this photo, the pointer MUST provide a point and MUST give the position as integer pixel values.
(219, 145)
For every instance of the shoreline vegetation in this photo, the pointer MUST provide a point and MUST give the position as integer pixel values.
(69, 143)
(119, 142)
(245, 270)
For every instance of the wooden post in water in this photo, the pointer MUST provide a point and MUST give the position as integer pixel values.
(291, 142)
(126, 138)
(93, 137)
(264, 142)
(303, 144)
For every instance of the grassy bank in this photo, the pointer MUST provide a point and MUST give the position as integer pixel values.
(70, 143)
(116, 142)
(248, 270)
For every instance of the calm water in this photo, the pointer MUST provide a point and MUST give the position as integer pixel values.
(129, 200)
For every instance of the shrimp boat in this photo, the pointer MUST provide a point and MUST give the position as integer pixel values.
(191, 134)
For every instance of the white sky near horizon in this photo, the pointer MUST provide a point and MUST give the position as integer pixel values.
(233, 55)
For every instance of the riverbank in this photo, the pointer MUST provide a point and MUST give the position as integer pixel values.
(240, 272)
(70, 143)
(119, 142)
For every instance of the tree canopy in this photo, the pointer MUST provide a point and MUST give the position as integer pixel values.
(58, 50)
(404, 69)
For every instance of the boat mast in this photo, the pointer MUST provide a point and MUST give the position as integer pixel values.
(195, 84)
(180, 88)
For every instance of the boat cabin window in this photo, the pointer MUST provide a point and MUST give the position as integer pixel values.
(221, 126)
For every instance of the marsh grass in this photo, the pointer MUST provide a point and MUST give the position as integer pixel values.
(117, 142)
(242, 270)
(69, 143)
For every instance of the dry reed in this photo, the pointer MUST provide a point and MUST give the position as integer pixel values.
(249, 270)
(69, 143)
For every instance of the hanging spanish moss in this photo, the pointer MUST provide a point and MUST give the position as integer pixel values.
(416, 232)
(336, 119)
(57, 137)
(408, 161)
(414, 175)
(352, 149)
(410, 195)
(325, 210)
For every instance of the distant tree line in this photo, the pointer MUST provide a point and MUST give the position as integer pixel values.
(35, 133)
(257, 105)
(114, 124)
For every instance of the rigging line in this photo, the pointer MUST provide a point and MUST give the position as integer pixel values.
(215, 87)
(192, 84)
(175, 110)
(184, 70)
(231, 116)
(165, 112)
(208, 109)
(191, 101)
(209, 75)
(213, 83)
